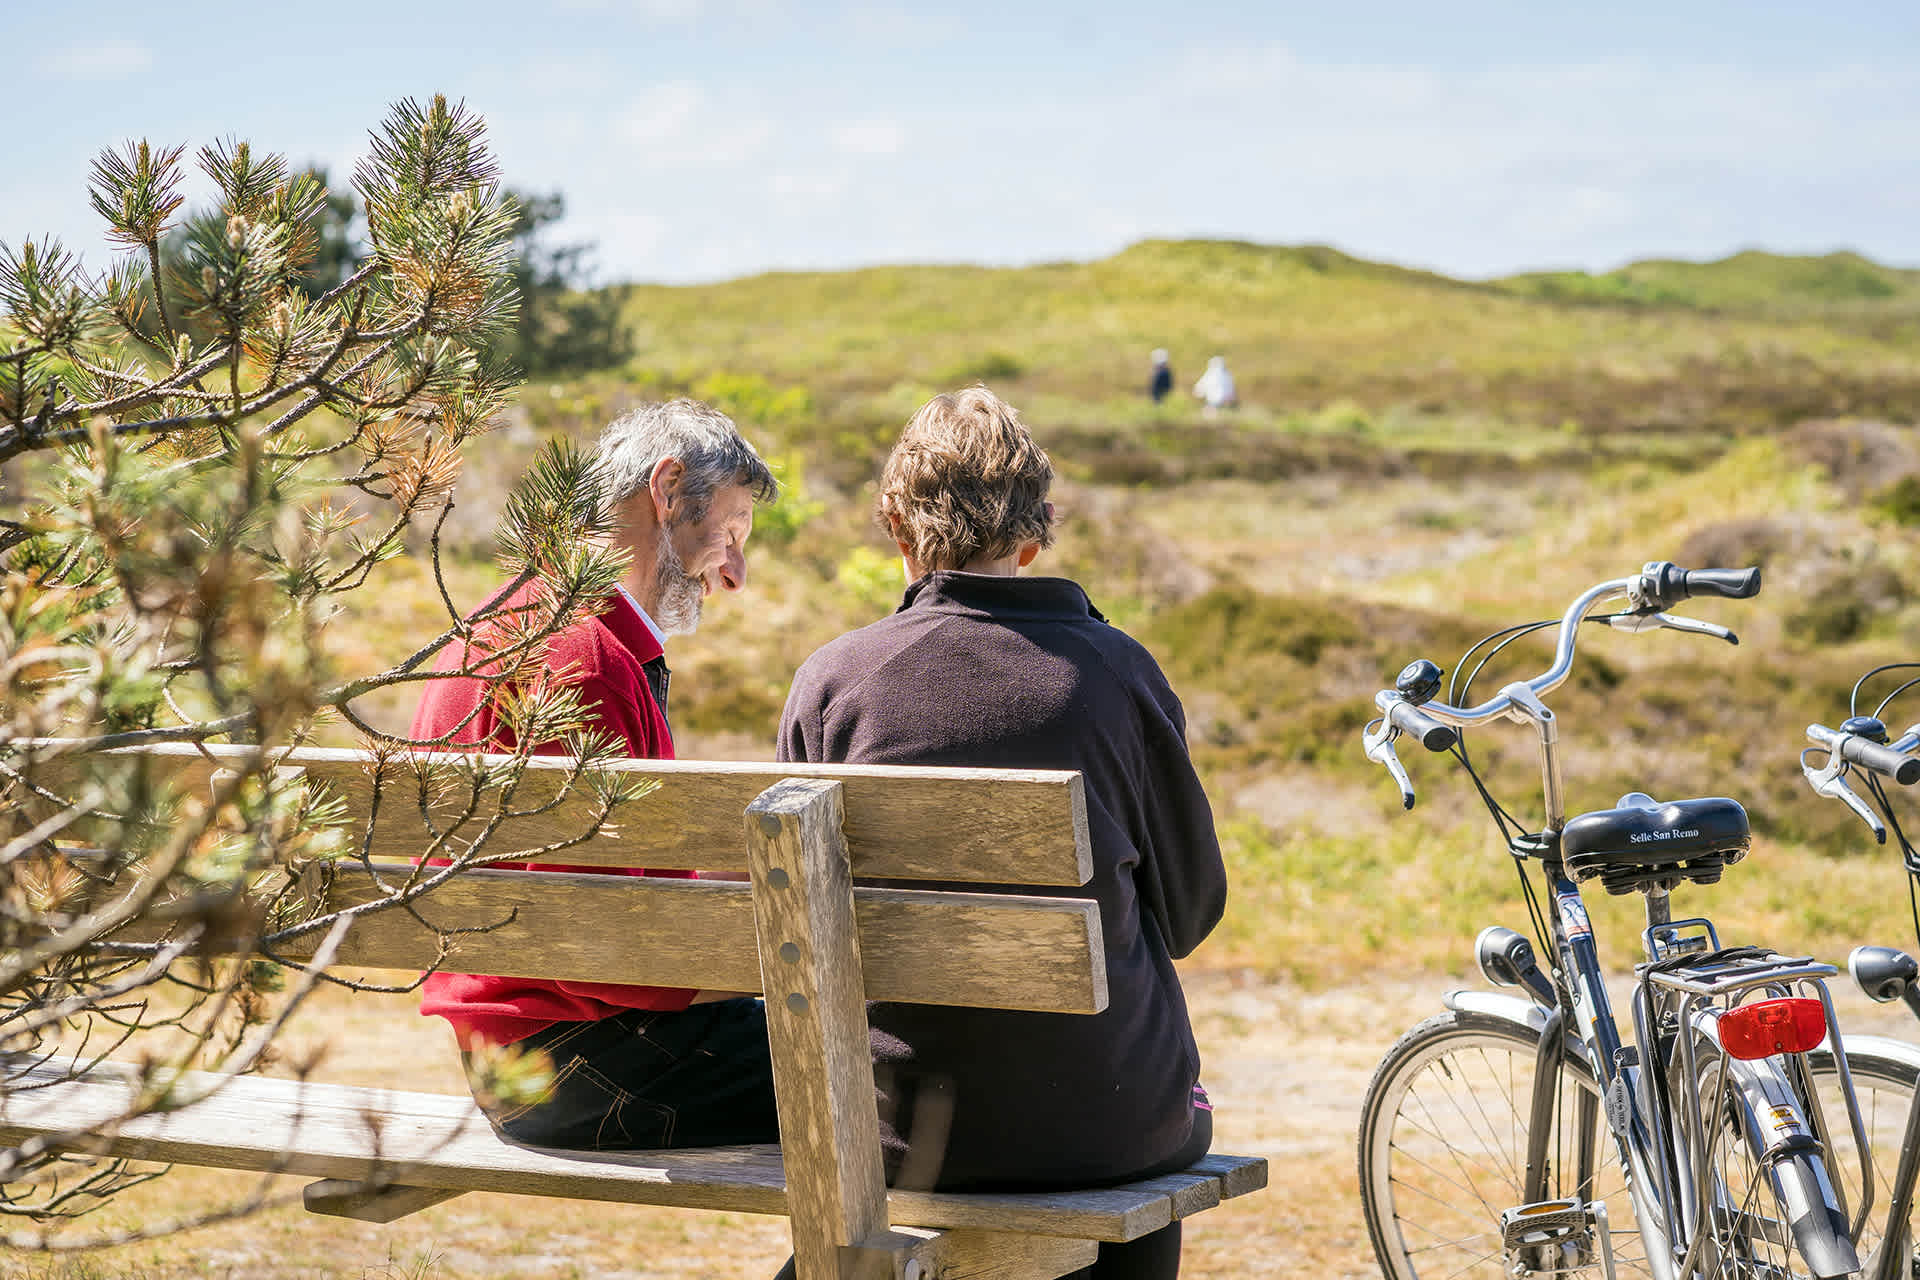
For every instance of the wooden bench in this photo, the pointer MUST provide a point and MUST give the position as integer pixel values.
(798, 929)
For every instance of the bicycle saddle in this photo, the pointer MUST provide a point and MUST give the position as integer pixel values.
(1644, 844)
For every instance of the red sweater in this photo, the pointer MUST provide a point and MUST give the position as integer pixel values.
(602, 656)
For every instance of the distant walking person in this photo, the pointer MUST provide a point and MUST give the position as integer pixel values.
(1216, 386)
(1161, 381)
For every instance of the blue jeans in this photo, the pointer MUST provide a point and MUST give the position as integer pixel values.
(644, 1080)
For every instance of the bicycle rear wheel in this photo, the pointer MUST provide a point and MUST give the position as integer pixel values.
(1884, 1085)
(1443, 1148)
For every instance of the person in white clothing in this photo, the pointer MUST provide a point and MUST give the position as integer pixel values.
(1216, 386)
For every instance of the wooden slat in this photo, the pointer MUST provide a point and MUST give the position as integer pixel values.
(974, 826)
(432, 1140)
(1001, 1255)
(1000, 951)
(370, 1202)
(817, 1028)
(1238, 1175)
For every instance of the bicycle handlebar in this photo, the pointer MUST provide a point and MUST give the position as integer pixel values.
(1407, 718)
(1659, 584)
(1891, 761)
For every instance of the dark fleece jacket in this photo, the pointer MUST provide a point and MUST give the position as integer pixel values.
(1023, 673)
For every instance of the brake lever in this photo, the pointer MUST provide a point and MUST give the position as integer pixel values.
(1696, 627)
(1634, 623)
(1379, 745)
(1829, 781)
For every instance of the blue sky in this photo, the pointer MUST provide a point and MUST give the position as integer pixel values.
(704, 139)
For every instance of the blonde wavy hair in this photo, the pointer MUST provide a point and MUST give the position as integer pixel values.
(965, 482)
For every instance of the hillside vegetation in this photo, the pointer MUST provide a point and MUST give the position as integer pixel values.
(1305, 327)
(1840, 287)
(1418, 461)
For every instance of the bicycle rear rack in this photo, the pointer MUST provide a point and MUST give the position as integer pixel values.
(1682, 996)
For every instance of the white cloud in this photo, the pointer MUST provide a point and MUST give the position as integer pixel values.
(1478, 171)
(662, 113)
(101, 60)
(630, 234)
(901, 26)
(870, 137)
(674, 13)
(815, 187)
(568, 77)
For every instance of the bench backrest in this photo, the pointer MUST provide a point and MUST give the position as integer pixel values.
(981, 839)
(799, 929)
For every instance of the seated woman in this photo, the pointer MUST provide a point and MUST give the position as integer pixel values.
(980, 666)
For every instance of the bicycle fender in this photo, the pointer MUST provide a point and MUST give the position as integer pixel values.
(1771, 1109)
(1514, 1009)
(1897, 1050)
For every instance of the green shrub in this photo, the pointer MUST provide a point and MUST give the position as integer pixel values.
(751, 400)
(870, 577)
(994, 366)
(1901, 500)
(1344, 417)
(728, 696)
(778, 522)
(1235, 623)
(1845, 607)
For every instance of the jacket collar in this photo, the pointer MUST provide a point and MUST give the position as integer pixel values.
(949, 590)
(622, 617)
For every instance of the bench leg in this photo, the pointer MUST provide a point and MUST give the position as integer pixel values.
(369, 1202)
(906, 1253)
(817, 1030)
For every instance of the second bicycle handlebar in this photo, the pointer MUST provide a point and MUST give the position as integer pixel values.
(1890, 761)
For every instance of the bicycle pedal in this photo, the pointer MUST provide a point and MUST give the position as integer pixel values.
(1529, 1226)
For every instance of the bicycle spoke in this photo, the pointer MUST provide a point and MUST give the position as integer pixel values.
(1487, 1138)
(1476, 1262)
(1473, 1189)
(1420, 1190)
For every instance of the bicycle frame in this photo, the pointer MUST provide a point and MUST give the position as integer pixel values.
(1668, 1180)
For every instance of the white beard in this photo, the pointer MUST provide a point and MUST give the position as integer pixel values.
(677, 597)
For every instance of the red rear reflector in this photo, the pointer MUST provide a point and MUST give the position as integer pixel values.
(1766, 1027)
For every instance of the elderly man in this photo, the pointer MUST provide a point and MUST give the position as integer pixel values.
(634, 1067)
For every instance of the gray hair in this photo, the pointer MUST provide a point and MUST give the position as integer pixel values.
(702, 438)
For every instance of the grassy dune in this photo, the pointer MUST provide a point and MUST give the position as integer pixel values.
(1305, 327)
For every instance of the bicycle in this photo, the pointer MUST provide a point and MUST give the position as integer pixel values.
(1522, 1135)
(1885, 1070)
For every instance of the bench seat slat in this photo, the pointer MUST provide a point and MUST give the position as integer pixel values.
(434, 1140)
(975, 826)
(1003, 951)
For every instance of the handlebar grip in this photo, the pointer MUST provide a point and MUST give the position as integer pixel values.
(1733, 584)
(1664, 584)
(1433, 735)
(1903, 769)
